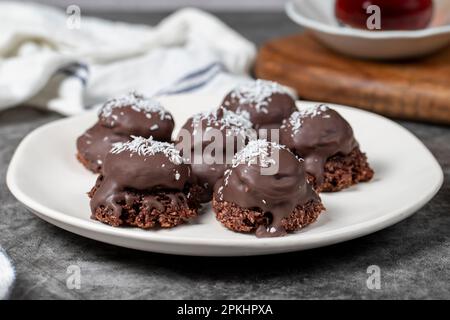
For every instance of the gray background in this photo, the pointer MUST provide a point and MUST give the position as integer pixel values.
(413, 255)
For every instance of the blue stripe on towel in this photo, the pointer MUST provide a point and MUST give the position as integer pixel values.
(194, 80)
(77, 70)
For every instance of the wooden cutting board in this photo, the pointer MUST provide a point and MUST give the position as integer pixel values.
(415, 89)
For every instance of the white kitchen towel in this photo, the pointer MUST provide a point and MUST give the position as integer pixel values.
(53, 60)
(6, 275)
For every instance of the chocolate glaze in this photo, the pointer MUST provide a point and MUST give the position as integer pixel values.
(277, 194)
(178, 199)
(266, 102)
(206, 175)
(129, 121)
(316, 134)
(231, 126)
(229, 123)
(141, 165)
(120, 118)
(95, 143)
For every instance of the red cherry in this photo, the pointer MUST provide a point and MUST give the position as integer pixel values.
(395, 14)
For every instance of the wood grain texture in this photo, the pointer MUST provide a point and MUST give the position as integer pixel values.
(415, 89)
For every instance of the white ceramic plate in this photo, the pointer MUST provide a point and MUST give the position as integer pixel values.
(45, 176)
(319, 18)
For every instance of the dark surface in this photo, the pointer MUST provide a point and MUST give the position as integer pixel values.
(413, 255)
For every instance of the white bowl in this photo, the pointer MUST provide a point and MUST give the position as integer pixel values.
(319, 18)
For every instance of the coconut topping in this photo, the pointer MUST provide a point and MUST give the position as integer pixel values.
(256, 150)
(311, 111)
(138, 103)
(236, 122)
(257, 93)
(148, 147)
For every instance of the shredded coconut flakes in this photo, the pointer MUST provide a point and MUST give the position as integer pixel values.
(311, 111)
(257, 93)
(138, 103)
(256, 150)
(148, 147)
(236, 122)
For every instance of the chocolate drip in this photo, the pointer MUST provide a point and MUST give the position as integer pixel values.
(152, 202)
(156, 201)
(110, 195)
(316, 135)
(277, 195)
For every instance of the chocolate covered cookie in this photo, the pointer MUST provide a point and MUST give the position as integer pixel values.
(267, 103)
(118, 119)
(145, 184)
(266, 191)
(325, 140)
(223, 132)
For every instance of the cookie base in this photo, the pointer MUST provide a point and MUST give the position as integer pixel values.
(245, 220)
(139, 215)
(344, 171)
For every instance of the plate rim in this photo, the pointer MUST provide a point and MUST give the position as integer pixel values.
(314, 240)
